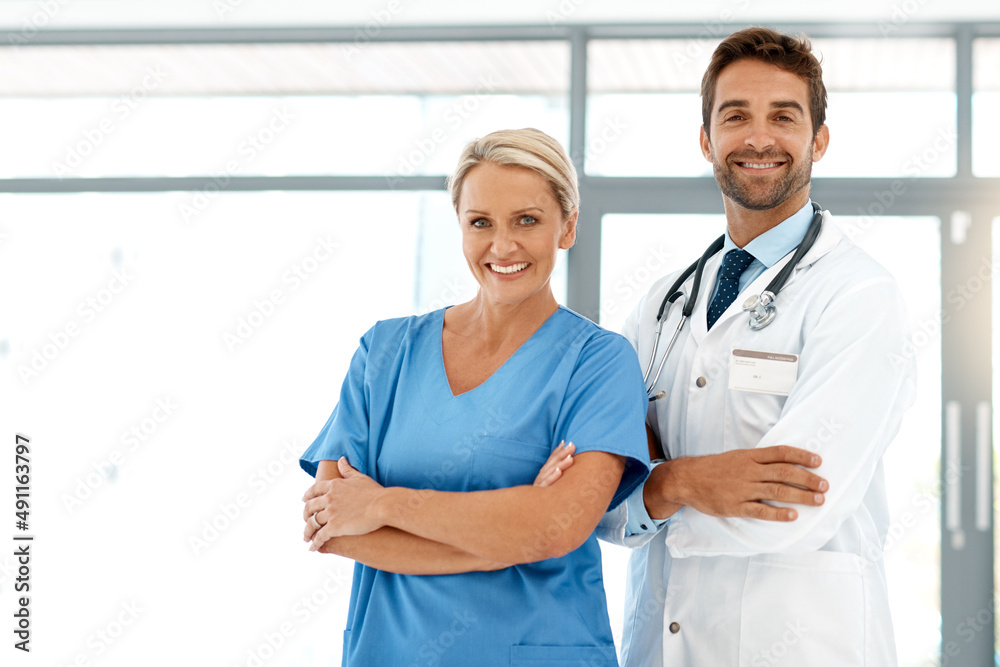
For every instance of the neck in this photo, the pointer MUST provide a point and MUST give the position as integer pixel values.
(498, 322)
(745, 224)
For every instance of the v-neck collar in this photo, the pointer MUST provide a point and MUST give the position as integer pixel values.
(439, 329)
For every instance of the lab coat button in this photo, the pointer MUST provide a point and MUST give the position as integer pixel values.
(701, 382)
(675, 627)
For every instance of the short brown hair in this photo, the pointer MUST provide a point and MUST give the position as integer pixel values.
(528, 148)
(792, 54)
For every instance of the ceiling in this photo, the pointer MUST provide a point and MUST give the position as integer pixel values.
(450, 68)
(219, 13)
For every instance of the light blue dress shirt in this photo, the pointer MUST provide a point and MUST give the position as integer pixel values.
(767, 250)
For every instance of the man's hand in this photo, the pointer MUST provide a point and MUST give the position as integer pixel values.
(735, 483)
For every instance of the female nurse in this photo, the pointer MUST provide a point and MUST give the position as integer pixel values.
(425, 469)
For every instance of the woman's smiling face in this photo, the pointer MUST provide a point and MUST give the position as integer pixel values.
(512, 228)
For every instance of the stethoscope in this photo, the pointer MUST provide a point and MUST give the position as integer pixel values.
(761, 307)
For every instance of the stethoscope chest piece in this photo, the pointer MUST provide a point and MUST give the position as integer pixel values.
(761, 309)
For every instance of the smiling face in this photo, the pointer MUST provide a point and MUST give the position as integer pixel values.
(762, 144)
(512, 228)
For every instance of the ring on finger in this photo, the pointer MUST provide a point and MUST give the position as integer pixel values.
(316, 521)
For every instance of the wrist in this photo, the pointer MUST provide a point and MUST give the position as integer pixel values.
(674, 486)
(383, 509)
(661, 493)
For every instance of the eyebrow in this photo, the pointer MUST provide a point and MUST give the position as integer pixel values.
(523, 210)
(783, 104)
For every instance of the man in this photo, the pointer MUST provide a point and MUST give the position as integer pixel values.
(719, 577)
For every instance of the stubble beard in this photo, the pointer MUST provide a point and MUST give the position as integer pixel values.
(760, 196)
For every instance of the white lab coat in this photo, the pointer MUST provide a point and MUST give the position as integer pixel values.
(753, 593)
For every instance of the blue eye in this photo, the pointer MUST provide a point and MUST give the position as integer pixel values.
(528, 220)
(479, 223)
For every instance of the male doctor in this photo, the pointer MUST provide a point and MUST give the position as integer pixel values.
(719, 577)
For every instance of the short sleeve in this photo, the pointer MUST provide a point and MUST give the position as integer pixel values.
(605, 408)
(346, 431)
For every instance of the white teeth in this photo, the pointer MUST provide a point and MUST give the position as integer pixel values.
(753, 165)
(513, 268)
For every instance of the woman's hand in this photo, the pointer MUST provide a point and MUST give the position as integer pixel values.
(559, 460)
(341, 506)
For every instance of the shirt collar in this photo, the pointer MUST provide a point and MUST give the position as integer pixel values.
(778, 241)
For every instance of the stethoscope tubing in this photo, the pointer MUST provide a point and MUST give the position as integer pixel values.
(666, 353)
(774, 287)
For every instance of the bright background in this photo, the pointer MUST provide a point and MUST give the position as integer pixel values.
(182, 542)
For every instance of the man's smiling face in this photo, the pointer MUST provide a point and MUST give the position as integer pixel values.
(762, 144)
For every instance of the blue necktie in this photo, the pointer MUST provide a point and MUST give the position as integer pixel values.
(734, 264)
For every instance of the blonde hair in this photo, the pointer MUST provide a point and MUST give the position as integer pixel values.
(528, 148)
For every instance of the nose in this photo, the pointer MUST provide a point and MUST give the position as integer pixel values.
(759, 135)
(503, 242)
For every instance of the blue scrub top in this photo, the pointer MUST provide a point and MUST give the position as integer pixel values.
(398, 422)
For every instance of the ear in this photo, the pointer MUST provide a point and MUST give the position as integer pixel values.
(706, 144)
(820, 142)
(569, 234)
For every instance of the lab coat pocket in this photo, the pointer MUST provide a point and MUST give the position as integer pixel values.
(499, 463)
(803, 609)
(749, 416)
(544, 656)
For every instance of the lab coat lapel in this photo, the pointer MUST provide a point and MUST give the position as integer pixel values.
(829, 236)
(699, 316)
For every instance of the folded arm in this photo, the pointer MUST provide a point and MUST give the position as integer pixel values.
(739, 483)
(394, 550)
(520, 524)
(847, 405)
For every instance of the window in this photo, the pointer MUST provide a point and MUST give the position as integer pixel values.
(645, 107)
(270, 109)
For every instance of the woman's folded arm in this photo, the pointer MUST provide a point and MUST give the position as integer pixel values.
(520, 524)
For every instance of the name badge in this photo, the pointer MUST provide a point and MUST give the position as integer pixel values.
(763, 372)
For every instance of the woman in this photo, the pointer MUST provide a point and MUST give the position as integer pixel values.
(425, 467)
